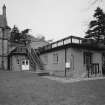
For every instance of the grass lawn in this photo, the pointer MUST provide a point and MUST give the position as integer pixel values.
(23, 88)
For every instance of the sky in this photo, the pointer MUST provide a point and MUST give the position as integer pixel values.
(54, 19)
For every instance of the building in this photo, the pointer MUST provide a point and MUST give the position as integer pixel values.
(4, 36)
(18, 59)
(74, 57)
(23, 58)
(15, 56)
(82, 59)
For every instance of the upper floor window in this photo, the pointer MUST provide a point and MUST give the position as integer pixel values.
(20, 49)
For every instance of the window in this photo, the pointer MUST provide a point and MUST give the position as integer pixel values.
(46, 59)
(19, 49)
(26, 62)
(87, 57)
(55, 58)
(0, 32)
(23, 63)
(17, 60)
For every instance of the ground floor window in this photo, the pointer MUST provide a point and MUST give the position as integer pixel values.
(55, 58)
(18, 61)
(87, 57)
(23, 62)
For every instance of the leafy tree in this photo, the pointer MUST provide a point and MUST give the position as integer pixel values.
(25, 37)
(15, 34)
(20, 37)
(40, 37)
(96, 29)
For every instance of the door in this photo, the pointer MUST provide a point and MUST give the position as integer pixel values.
(88, 62)
(25, 65)
(16, 64)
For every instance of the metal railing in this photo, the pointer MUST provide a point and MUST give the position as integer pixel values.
(93, 69)
(65, 41)
(34, 59)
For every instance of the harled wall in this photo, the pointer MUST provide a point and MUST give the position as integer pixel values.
(76, 59)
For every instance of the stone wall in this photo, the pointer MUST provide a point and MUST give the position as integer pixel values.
(4, 48)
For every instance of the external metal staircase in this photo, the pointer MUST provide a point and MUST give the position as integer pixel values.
(34, 59)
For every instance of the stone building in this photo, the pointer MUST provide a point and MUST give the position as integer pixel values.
(4, 36)
(69, 56)
(15, 56)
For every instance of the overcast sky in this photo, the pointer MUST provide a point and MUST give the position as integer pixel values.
(55, 19)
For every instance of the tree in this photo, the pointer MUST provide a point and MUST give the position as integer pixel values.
(15, 35)
(95, 1)
(96, 29)
(20, 37)
(25, 37)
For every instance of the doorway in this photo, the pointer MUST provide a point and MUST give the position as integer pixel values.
(25, 65)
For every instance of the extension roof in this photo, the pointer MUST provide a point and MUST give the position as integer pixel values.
(74, 42)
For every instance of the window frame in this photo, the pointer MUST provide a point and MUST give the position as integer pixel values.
(55, 58)
(87, 57)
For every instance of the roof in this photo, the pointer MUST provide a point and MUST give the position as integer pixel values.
(20, 50)
(3, 21)
(37, 42)
(71, 41)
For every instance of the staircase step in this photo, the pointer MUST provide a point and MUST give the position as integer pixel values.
(42, 73)
(35, 59)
